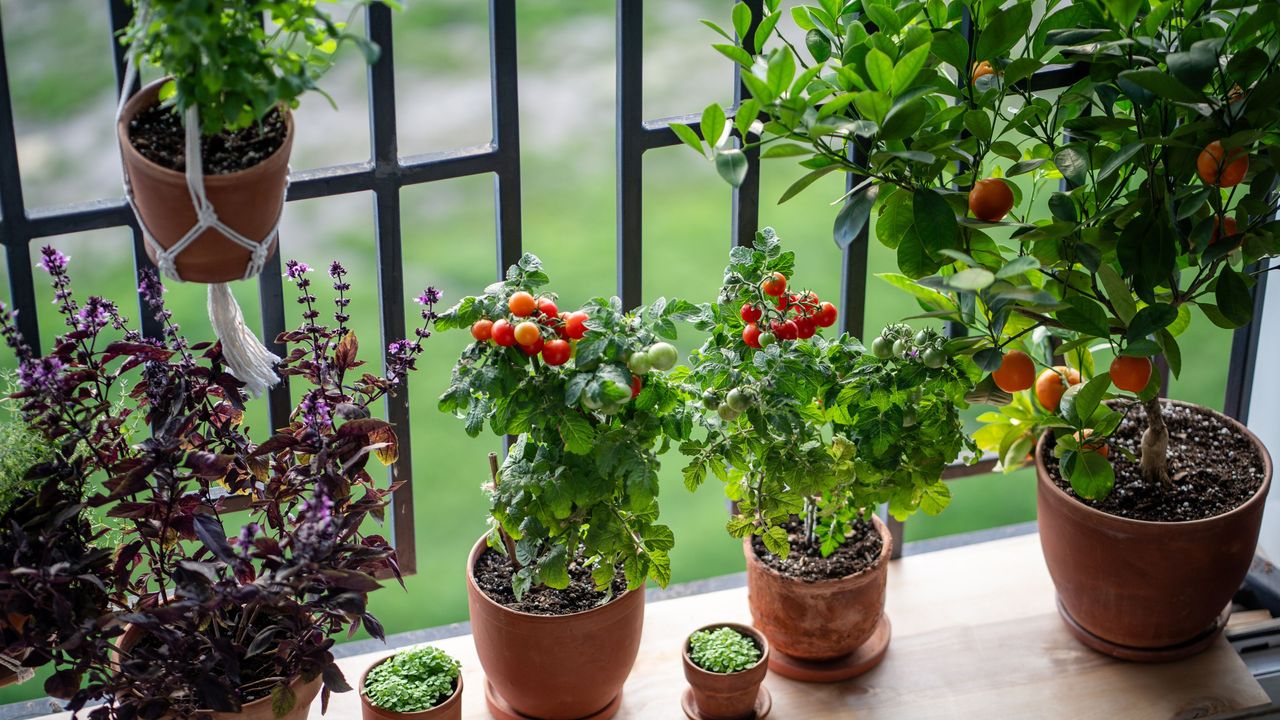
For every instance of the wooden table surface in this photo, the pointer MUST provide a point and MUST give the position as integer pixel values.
(976, 635)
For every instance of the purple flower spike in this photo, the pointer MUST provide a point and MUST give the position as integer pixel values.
(294, 270)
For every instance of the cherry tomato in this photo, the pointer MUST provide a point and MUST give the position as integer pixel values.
(556, 352)
(637, 384)
(750, 313)
(663, 356)
(826, 315)
(534, 349)
(504, 333)
(805, 327)
(787, 301)
(767, 339)
(738, 400)
(785, 329)
(547, 307)
(751, 335)
(527, 333)
(775, 284)
(575, 325)
(882, 348)
(521, 304)
(639, 363)
(482, 330)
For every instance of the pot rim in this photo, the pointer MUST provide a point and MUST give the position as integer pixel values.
(453, 699)
(1259, 495)
(886, 550)
(744, 629)
(142, 100)
(481, 546)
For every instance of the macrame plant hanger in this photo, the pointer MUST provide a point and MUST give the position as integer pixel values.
(245, 355)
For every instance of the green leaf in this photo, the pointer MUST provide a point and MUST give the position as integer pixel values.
(658, 537)
(1090, 474)
(1085, 398)
(935, 498)
(935, 222)
(734, 53)
(908, 67)
(1118, 159)
(1084, 315)
(1149, 320)
(1234, 300)
(1024, 166)
(1124, 11)
(818, 44)
(1118, 293)
(741, 19)
(1018, 266)
(978, 122)
(732, 166)
(577, 433)
(775, 540)
(852, 218)
(1162, 84)
(971, 279)
(1073, 163)
(1006, 28)
(804, 182)
(903, 120)
(879, 69)
(713, 121)
(283, 700)
(929, 296)
(688, 137)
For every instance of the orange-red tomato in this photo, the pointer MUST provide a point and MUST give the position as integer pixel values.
(547, 307)
(775, 284)
(521, 304)
(1223, 227)
(1220, 167)
(990, 199)
(482, 330)
(1016, 372)
(575, 325)
(1098, 446)
(1052, 384)
(1130, 374)
(504, 333)
(980, 70)
(527, 333)
(556, 352)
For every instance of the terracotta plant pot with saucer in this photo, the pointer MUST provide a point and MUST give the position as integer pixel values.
(727, 696)
(823, 631)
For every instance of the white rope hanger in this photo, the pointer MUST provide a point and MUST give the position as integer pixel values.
(245, 355)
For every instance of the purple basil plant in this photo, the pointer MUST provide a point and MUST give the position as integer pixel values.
(234, 562)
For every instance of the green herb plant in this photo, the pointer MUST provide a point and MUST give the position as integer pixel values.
(413, 680)
(814, 428)
(230, 64)
(723, 650)
(21, 448)
(579, 484)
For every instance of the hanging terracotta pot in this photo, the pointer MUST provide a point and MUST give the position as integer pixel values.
(822, 631)
(248, 201)
(727, 696)
(554, 667)
(1142, 590)
(449, 709)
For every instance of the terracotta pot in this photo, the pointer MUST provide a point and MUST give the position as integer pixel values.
(450, 709)
(258, 709)
(1146, 590)
(818, 621)
(554, 667)
(731, 696)
(249, 201)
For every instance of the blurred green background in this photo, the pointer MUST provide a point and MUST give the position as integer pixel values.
(61, 78)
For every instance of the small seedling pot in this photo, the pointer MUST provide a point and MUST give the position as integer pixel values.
(1142, 590)
(823, 631)
(248, 201)
(727, 696)
(554, 667)
(450, 709)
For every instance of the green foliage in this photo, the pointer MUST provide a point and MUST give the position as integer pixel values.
(830, 430)
(21, 448)
(413, 680)
(723, 650)
(580, 483)
(227, 63)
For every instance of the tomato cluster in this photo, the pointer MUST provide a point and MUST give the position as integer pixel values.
(794, 315)
(536, 326)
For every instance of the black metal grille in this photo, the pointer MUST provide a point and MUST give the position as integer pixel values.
(386, 172)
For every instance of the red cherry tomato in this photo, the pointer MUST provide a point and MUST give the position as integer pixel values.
(521, 304)
(527, 334)
(751, 335)
(637, 384)
(750, 313)
(786, 300)
(504, 333)
(826, 315)
(534, 349)
(482, 330)
(785, 329)
(575, 325)
(805, 327)
(556, 352)
(775, 284)
(547, 307)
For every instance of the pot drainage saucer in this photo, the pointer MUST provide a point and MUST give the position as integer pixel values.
(1186, 649)
(852, 665)
(764, 703)
(502, 710)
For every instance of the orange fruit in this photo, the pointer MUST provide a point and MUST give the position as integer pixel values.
(1098, 446)
(1220, 167)
(521, 304)
(1130, 374)
(981, 69)
(1223, 227)
(1052, 383)
(1016, 372)
(527, 333)
(990, 199)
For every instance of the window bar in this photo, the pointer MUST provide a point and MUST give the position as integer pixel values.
(630, 149)
(386, 212)
(13, 217)
(1244, 355)
(746, 198)
(506, 131)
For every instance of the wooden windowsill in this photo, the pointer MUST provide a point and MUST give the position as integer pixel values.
(976, 635)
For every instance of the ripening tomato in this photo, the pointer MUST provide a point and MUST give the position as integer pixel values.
(556, 352)
(521, 304)
(751, 335)
(826, 315)
(785, 329)
(547, 307)
(527, 333)
(990, 199)
(534, 349)
(775, 284)
(750, 313)
(575, 326)
(1223, 227)
(504, 333)
(637, 384)
(805, 327)
(482, 330)
(1016, 373)
(982, 69)
(1131, 374)
(1220, 167)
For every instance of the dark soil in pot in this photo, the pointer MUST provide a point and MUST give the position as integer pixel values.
(806, 563)
(1215, 469)
(158, 134)
(493, 574)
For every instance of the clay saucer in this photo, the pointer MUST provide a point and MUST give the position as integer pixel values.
(852, 665)
(764, 703)
(1191, 647)
(500, 709)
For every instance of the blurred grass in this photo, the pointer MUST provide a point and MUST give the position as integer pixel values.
(569, 220)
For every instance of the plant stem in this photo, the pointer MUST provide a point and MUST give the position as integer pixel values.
(506, 539)
(810, 522)
(1155, 446)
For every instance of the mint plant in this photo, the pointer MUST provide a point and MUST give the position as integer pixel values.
(412, 680)
(723, 650)
(814, 427)
(591, 404)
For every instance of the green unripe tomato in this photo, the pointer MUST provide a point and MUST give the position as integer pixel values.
(922, 337)
(738, 400)
(934, 358)
(900, 347)
(727, 413)
(767, 339)
(882, 348)
(663, 356)
(640, 363)
(710, 400)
